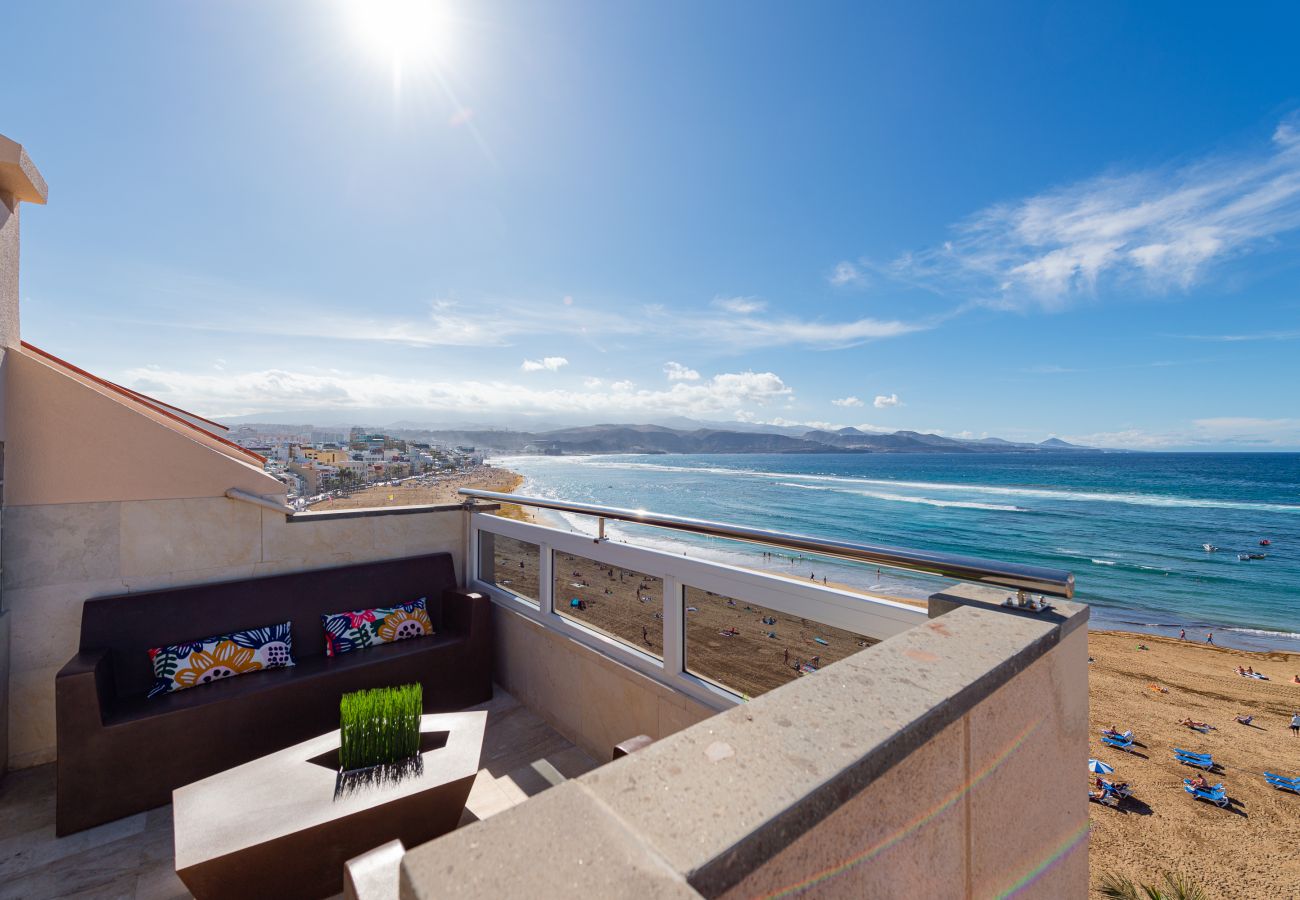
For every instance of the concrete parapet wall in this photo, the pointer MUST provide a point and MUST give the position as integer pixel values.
(594, 701)
(945, 761)
(58, 556)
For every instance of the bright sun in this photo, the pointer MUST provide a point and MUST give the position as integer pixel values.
(402, 32)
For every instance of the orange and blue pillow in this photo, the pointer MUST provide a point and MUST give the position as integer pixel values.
(181, 666)
(361, 628)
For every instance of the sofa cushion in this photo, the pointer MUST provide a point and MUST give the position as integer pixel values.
(177, 667)
(356, 630)
(288, 688)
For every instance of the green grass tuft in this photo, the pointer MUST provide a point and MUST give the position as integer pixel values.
(379, 726)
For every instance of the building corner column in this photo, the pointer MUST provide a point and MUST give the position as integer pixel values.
(19, 182)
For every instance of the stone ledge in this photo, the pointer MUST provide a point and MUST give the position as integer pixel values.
(562, 843)
(1066, 614)
(367, 512)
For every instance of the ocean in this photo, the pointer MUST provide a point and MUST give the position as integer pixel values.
(1130, 526)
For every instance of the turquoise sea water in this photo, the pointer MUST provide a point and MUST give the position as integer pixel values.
(1130, 526)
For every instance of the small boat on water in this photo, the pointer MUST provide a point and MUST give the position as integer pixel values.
(1245, 556)
(1209, 548)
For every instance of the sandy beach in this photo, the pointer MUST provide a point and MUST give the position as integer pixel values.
(416, 493)
(1250, 849)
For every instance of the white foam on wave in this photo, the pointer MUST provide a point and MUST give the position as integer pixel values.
(903, 498)
(1103, 562)
(1266, 632)
(1040, 493)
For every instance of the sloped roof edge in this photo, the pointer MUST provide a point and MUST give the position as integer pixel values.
(157, 406)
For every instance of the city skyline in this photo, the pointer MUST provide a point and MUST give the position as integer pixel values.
(1022, 222)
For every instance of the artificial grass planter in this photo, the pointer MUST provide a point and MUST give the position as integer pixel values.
(380, 726)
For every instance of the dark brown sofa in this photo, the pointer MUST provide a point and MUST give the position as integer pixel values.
(121, 753)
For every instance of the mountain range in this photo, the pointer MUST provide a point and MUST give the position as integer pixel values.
(663, 439)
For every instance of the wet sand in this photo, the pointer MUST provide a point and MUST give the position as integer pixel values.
(1252, 848)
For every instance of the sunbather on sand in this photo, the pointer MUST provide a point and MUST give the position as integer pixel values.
(1192, 723)
(1097, 795)
(1200, 784)
(1245, 720)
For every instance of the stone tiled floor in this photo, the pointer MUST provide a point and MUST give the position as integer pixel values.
(132, 857)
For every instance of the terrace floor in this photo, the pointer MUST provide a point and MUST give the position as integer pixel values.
(133, 857)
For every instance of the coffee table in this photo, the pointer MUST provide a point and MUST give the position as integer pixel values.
(274, 827)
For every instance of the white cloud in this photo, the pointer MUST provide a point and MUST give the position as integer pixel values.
(847, 401)
(742, 326)
(884, 401)
(740, 305)
(759, 333)
(546, 364)
(1219, 431)
(1234, 424)
(1161, 229)
(1281, 335)
(679, 372)
(592, 382)
(845, 274)
(276, 390)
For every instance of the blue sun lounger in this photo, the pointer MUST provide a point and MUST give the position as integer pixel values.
(1282, 783)
(1119, 742)
(1119, 792)
(1215, 795)
(1197, 760)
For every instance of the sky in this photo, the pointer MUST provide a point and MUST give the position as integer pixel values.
(1018, 219)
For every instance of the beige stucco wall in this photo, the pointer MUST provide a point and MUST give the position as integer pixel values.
(59, 555)
(74, 442)
(977, 811)
(589, 698)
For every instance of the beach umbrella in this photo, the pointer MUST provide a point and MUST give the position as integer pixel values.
(1097, 767)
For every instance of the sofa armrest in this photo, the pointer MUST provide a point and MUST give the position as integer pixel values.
(84, 685)
(465, 612)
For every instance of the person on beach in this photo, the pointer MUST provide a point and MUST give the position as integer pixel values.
(1182, 634)
(1209, 638)
(1295, 725)
(1200, 784)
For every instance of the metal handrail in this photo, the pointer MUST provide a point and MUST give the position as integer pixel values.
(1039, 579)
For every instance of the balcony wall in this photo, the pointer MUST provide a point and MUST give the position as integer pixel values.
(903, 770)
(59, 555)
(592, 700)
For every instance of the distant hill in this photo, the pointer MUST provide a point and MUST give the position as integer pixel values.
(627, 438)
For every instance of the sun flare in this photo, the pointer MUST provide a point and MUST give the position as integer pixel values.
(401, 32)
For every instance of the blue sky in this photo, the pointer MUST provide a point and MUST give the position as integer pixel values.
(1030, 220)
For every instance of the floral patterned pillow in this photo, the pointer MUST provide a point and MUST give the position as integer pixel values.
(348, 631)
(182, 666)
